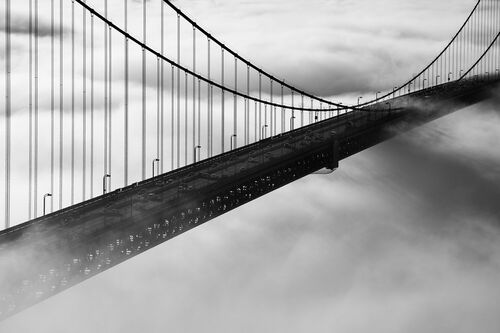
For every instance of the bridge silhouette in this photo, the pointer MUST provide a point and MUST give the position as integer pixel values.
(216, 132)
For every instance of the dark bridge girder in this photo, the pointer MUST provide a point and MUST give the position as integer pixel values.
(59, 250)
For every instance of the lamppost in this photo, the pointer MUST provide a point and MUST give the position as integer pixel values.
(194, 152)
(45, 197)
(360, 98)
(233, 137)
(292, 122)
(104, 183)
(156, 160)
(263, 131)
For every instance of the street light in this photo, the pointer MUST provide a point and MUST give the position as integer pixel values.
(291, 122)
(45, 197)
(263, 131)
(194, 152)
(231, 141)
(104, 183)
(153, 166)
(359, 98)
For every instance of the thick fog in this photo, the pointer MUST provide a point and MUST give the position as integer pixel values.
(403, 237)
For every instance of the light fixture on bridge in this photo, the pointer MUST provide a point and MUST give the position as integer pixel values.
(360, 98)
(263, 132)
(194, 153)
(104, 188)
(233, 137)
(45, 196)
(156, 160)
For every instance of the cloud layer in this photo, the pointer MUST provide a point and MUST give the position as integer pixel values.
(403, 237)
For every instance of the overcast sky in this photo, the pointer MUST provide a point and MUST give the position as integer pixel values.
(404, 237)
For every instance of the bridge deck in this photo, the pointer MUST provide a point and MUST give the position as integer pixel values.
(76, 243)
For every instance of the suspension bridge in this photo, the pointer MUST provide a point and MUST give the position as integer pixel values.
(132, 129)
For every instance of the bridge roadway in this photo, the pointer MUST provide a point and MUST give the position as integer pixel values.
(47, 255)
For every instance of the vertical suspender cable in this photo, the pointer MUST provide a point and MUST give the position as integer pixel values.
(282, 112)
(30, 138)
(255, 123)
(52, 125)
(144, 91)
(35, 190)
(273, 109)
(7, 112)
(162, 140)
(105, 139)
(259, 124)
(61, 101)
(72, 102)
(110, 107)
(172, 132)
(199, 113)
(211, 120)
(235, 111)
(209, 110)
(185, 118)
(92, 105)
(178, 91)
(84, 105)
(265, 121)
(194, 87)
(301, 112)
(222, 102)
(125, 116)
(247, 109)
(157, 108)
